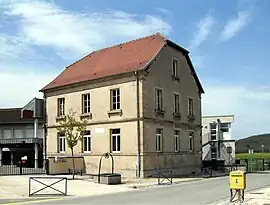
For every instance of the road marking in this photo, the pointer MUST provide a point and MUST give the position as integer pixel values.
(33, 201)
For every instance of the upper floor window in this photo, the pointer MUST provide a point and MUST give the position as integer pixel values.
(176, 140)
(159, 99)
(61, 106)
(191, 140)
(175, 71)
(159, 136)
(86, 103)
(115, 99)
(115, 140)
(224, 127)
(190, 107)
(87, 141)
(176, 99)
(61, 142)
(213, 131)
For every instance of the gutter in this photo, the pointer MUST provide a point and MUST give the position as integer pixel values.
(138, 125)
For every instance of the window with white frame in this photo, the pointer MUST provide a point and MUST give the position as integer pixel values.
(159, 135)
(224, 127)
(175, 71)
(115, 99)
(213, 131)
(176, 99)
(87, 141)
(61, 142)
(191, 140)
(190, 107)
(176, 140)
(159, 100)
(86, 103)
(115, 140)
(61, 106)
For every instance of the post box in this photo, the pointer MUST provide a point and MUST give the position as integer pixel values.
(237, 180)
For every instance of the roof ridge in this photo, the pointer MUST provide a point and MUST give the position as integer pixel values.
(119, 44)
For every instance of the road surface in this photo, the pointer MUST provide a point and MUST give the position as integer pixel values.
(191, 193)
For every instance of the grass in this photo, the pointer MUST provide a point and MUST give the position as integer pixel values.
(253, 156)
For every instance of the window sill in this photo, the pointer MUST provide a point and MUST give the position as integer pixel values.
(191, 117)
(62, 152)
(86, 116)
(159, 151)
(115, 152)
(87, 152)
(176, 78)
(60, 118)
(159, 112)
(177, 116)
(115, 112)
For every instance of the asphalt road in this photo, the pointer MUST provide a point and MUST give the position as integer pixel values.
(191, 193)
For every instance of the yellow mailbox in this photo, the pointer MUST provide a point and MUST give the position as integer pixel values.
(237, 180)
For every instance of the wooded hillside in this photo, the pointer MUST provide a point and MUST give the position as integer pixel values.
(255, 142)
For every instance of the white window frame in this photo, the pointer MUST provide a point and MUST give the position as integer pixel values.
(61, 106)
(191, 138)
(117, 138)
(159, 140)
(86, 102)
(176, 139)
(159, 98)
(175, 71)
(176, 108)
(115, 102)
(61, 143)
(226, 127)
(191, 111)
(88, 138)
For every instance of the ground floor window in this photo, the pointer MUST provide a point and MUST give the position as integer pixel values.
(62, 142)
(87, 141)
(115, 140)
(176, 140)
(159, 133)
(191, 140)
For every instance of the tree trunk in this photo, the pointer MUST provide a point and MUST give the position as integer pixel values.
(73, 163)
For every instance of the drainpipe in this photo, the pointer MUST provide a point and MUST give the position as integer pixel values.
(138, 125)
(218, 138)
(44, 132)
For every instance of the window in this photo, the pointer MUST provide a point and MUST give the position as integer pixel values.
(115, 99)
(175, 68)
(86, 103)
(176, 98)
(213, 131)
(224, 127)
(191, 140)
(87, 141)
(176, 140)
(115, 140)
(190, 107)
(159, 99)
(61, 106)
(62, 142)
(159, 133)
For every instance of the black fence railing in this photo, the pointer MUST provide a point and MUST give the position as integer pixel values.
(20, 170)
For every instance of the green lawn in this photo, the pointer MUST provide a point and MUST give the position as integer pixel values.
(253, 156)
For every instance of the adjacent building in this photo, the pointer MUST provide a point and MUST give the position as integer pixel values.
(217, 142)
(142, 101)
(21, 134)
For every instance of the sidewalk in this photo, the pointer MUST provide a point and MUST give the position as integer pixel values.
(259, 197)
(17, 186)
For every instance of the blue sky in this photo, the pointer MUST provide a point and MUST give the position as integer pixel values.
(229, 43)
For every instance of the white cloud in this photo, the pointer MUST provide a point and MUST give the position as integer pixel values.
(249, 104)
(235, 25)
(46, 24)
(203, 30)
(17, 89)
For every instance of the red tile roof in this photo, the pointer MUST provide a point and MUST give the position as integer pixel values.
(123, 58)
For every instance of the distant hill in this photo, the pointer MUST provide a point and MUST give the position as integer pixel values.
(255, 142)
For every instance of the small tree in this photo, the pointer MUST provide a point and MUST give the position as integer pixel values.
(74, 131)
